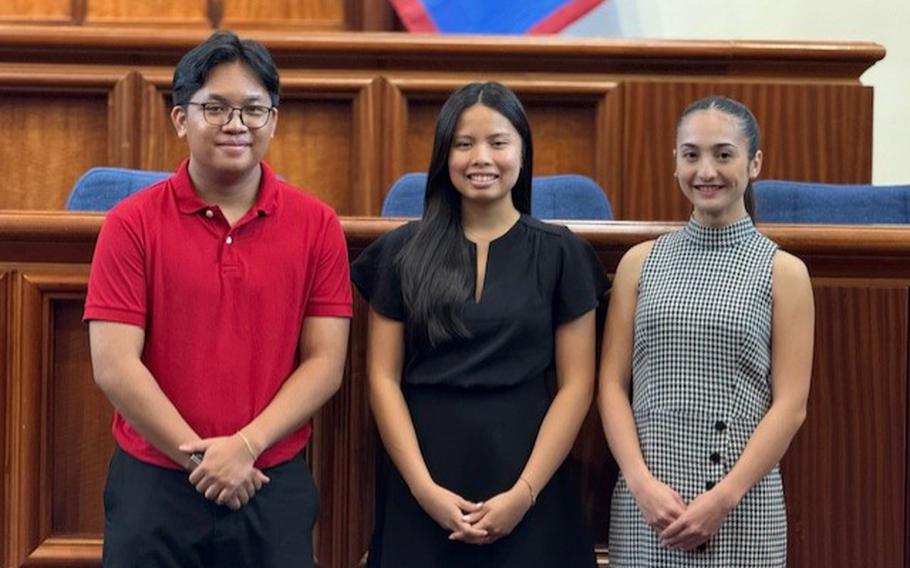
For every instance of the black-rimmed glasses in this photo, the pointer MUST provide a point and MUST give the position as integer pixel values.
(252, 116)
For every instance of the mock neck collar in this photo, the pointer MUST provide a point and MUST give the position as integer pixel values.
(719, 237)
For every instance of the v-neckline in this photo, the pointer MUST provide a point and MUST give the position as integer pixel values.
(479, 291)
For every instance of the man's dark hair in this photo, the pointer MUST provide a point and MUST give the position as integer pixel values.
(222, 47)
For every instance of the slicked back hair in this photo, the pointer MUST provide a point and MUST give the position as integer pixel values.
(747, 124)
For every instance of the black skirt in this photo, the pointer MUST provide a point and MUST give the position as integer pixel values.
(476, 442)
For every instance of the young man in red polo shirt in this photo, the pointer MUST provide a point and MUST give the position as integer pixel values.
(219, 304)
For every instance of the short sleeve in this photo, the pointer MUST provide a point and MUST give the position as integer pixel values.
(117, 279)
(376, 274)
(582, 280)
(330, 295)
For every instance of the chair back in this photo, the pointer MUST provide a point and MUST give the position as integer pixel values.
(778, 201)
(566, 197)
(99, 189)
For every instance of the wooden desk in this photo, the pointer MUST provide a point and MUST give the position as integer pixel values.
(845, 474)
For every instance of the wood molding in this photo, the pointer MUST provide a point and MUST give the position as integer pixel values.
(75, 552)
(6, 386)
(845, 60)
(29, 504)
(124, 124)
(62, 229)
(41, 78)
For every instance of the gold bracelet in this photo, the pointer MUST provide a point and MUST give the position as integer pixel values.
(246, 442)
(530, 491)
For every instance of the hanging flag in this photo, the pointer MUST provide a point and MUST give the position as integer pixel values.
(491, 16)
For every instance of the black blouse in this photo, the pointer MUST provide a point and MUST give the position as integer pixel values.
(538, 276)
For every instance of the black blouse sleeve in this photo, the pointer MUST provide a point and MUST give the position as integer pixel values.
(582, 281)
(375, 274)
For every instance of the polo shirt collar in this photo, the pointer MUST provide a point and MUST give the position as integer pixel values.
(188, 200)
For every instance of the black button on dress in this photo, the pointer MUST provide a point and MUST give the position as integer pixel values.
(477, 403)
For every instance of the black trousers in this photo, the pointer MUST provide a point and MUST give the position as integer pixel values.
(155, 518)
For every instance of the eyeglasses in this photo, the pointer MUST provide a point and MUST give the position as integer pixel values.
(252, 116)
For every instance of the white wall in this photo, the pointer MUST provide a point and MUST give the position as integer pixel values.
(886, 22)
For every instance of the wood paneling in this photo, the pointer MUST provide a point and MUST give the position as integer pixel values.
(5, 388)
(321, 15)
(314, 150)
(845, 474)
(36, 11)
(48, 141)
(856, 425)
(149, 12)
(80, 426)
(566, 123)
(804, 127)
(324, 140)
(343, 458)
(359, 108)
(292, 14)
(36, 495)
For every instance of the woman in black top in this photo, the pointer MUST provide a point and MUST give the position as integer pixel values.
(469, 307)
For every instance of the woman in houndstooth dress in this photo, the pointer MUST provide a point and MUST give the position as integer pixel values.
(707, 359)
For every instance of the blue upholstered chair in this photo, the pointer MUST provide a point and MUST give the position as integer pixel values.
(99, 189)
(552, 197)
(799, 202)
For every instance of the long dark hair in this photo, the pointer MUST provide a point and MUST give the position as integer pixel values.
(747, 124)
(435, 262)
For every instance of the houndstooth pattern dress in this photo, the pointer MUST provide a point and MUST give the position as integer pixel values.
(700, 385)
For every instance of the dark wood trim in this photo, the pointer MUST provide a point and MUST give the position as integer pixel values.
(843, 60)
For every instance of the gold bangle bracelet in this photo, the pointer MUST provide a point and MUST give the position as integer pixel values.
(530, 491)
(249, 446)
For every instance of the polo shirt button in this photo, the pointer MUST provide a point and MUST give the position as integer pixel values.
(715, 458)
(720, 426)
(209, 213)
(229, 240)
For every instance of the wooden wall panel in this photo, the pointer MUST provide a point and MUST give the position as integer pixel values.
(149, 12)
(342, 456)
(295, 14)
(31, 443)
(51, 139)
(566, 124)
(36, 11)
(842, 483)
(80, 426)
(832, 120)
(845, 475)
(324, 142)
(369, 101)
(314, 149)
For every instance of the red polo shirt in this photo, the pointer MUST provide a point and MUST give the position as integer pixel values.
(221, 306)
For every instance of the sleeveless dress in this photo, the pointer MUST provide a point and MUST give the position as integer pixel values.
(700, 385)
(477, 403)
